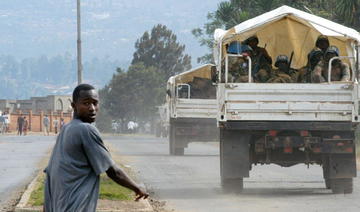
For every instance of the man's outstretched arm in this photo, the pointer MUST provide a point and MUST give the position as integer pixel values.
(121, 178)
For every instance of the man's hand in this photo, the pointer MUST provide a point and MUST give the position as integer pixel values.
(140, 194)
(120, 177)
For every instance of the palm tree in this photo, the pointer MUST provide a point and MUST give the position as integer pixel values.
(229, 14)
(348, 11)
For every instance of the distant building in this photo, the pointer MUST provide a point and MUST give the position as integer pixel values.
(55, 103)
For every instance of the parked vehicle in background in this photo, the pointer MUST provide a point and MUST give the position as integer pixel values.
(192, 108)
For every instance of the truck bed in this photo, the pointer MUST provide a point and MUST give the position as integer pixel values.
(195, 108)
(288, 102)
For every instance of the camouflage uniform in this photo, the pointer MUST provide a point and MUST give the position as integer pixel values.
(339, 72)
(314, 57)
(278, 76)
(281, 75)
(238, 70)
(261, 60)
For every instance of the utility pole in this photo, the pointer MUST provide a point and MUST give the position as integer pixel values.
(79, 63)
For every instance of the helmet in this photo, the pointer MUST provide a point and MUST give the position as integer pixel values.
(254, 37)
(332, 49)
(314, 53)
(314, 57)
(322, 38)
(281, 58)
(236, 47)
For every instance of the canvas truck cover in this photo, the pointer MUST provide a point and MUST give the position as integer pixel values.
(203, 71)
(286, 29)
(191, 107)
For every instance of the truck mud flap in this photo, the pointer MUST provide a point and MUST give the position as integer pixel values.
(342, 166)
(234, 153)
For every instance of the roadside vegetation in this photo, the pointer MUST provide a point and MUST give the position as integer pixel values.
(232, 12)
(109, 190)
(133, 94)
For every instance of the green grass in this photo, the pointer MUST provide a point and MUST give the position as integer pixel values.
(112, 191)
(109, 190)
(37, 196)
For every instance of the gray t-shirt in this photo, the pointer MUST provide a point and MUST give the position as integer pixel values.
(72, 175)
(46, 121)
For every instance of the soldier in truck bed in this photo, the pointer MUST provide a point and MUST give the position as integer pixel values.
(283, 73)
(314, 57)
(202, 88)
(340, 71)
(261, 60)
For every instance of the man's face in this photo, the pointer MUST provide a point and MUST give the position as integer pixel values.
(323, 44)
(283, 66)
(86, 106)
(253, 43)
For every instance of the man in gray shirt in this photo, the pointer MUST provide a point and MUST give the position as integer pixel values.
(78, 159)
(46, 123)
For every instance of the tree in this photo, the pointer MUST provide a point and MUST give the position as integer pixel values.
(348, 12)
(133, 95)
(233, 12)
(227, 15)
(160, 49)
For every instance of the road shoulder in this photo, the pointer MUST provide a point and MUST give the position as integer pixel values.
(103, 205)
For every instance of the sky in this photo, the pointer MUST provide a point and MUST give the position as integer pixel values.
(31, 28)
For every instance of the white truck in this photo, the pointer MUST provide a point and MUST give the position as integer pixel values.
(288, 123)
(192, 107)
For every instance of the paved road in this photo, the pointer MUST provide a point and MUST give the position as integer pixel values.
(190, 183)
(19, 162)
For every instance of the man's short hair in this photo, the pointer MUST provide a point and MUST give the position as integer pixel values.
(78, 89)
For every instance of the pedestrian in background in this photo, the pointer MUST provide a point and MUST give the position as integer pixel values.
(62, 123)
(46, 123)
(2, 124)
(7, 121)
(20, 124)
(26, 126)
(56, 125)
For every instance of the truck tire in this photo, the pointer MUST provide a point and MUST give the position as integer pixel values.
(234, 159)
(232, 185)
(342, 185)
(328, 183)
(173, 149)
(171, 140)
(325, 167)
(157, 132)
(179, 151)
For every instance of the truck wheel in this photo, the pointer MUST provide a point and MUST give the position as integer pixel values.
(179, 151)
(327, 183)
(172, 141)
(173, 149)
(157, 132)
(325, 167)
(234, 159)
(342, 185)
(232, 185)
